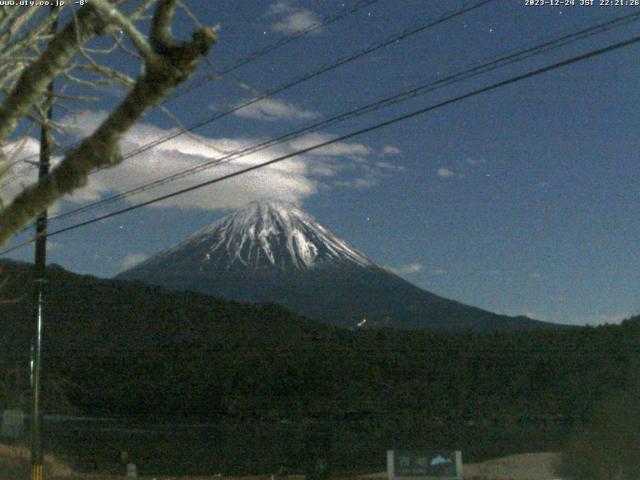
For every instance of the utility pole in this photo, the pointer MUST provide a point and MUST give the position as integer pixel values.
(40, 280)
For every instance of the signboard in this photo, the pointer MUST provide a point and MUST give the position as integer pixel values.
(424, 465)
(132, 471)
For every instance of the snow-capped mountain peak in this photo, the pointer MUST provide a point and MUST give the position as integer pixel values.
(265, 235)
(272, 251)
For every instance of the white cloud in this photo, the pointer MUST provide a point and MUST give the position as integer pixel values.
(343, 164)
(406, 268)
(390, 166)
(296, 21)
(535, 276)
(133, 259)
(291, 19)
(474, 161)
(445, 173)
(371, 175)
(338, 149)
(391, 150)
(438, 272)
(279, 8)
(272, 110)
(413, 268)
(358, 183)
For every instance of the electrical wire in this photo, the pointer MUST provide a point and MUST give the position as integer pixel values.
(362, 131)
(499, 62)
(308, 76)
(325, 21)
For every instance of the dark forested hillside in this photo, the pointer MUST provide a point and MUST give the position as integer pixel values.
(132, 350)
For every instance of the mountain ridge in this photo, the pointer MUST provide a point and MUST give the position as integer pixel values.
(271, 251)
(253, 236)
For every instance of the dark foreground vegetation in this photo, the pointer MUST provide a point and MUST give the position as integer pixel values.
(207, 386)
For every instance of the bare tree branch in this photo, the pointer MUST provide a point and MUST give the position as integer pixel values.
(114, 16)
(35, 79)
(171, 63)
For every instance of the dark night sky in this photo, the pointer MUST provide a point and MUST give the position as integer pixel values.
(523, 200)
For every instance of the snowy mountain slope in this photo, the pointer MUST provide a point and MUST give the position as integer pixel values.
(262, 236)
(274, 252)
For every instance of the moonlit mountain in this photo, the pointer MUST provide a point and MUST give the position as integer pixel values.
(272, 251)
(262, 237)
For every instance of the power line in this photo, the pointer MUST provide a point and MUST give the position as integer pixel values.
(385, 102)
(308, 76)
(397, 119)
(325, 21)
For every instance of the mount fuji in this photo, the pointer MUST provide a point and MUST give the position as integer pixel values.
(272, 251)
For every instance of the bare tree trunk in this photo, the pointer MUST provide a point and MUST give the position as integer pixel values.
(167, 63)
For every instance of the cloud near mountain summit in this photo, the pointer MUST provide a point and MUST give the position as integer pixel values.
(339, 165)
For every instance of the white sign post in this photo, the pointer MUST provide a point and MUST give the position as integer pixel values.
(132, 471)
(424, 465)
